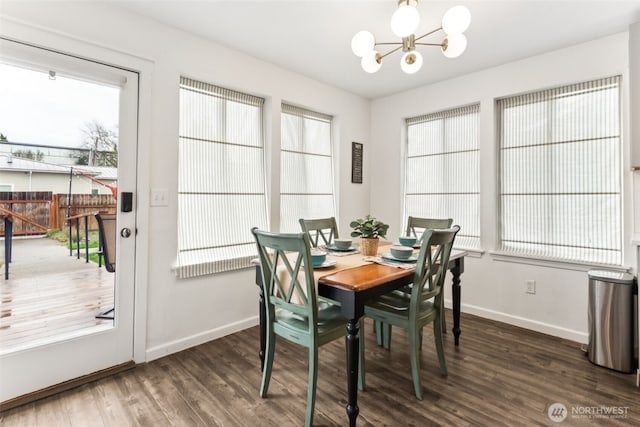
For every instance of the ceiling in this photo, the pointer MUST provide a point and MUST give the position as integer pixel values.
(313, 37)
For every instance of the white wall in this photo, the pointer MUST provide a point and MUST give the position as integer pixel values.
(182, 313)
(490, 287)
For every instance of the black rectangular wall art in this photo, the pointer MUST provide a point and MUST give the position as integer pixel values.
(356, 162)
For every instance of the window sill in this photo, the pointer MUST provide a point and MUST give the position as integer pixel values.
(471, 253)
(207, 268)
(561, 264)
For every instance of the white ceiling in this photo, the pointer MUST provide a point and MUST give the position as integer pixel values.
(312, 37)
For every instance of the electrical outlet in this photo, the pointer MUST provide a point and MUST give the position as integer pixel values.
(531, 287)
(159, 197)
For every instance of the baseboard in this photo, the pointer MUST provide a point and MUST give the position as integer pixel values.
(534, 325)
(64, 386)
(194, 340)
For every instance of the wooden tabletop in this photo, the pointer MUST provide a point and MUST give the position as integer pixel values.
(364, 277)
(360, 276)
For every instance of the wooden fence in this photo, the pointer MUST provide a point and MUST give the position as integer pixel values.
(80, 204)
(36, 211)
(31, 209)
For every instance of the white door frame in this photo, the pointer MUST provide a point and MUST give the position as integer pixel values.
(82, 49)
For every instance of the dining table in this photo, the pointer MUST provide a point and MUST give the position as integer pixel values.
(353, 280)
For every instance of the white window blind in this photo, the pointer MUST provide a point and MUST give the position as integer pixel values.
(221, 188)
(560, 176)
(442, 172)
(306, 177)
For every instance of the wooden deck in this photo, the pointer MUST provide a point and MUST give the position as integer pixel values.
(50, 296)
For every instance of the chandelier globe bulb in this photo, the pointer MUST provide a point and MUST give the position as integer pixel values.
(362, 42)
(405, 20)
(456, 20)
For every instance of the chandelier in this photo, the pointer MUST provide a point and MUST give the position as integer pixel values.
(404, 24)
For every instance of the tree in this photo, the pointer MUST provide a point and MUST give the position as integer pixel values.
(28, 154)
(102, 144)
(3, 137)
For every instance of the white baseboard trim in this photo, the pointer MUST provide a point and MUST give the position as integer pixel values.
(201, 338)
(545, 328)
(534, 325)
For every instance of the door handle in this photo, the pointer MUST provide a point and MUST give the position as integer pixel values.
(125, 232)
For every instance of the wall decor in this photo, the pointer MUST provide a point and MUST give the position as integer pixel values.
(356, 162)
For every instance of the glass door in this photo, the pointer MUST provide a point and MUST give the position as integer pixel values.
(68, 143)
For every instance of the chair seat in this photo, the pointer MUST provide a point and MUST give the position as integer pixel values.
(396, 305)
(328, 316)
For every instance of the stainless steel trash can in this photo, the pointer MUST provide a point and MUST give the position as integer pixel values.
(611, 320)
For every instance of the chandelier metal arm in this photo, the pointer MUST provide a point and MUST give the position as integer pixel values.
(390, 52)
(401, 45)
(429, 33)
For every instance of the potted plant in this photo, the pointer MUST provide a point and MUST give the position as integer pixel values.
(369, 230)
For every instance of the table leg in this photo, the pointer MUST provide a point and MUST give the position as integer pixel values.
(353, 348)
(456, 292)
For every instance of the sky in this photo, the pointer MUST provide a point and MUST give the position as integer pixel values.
(37, 110)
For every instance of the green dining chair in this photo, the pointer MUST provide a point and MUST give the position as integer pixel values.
(292, 308)
(322, 228)
(425, 303)
(415, 227)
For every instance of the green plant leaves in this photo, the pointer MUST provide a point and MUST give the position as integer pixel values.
(368, 228)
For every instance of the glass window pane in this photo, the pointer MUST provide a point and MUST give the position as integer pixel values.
(560, 185)
(442, 170)
(306, 177)
(221, 189)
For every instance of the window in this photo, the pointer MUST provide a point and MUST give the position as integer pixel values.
(560, 176)
(306, 178)
(442, 172)
(221, 189)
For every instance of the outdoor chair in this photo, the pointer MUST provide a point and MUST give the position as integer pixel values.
(107, 250)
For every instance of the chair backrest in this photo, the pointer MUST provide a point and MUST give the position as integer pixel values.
(416, 226)
(322, 228)
(287, 275)
(431, 267)
(107, 236)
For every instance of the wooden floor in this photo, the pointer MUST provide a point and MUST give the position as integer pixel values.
(50, 296)
(499, 376)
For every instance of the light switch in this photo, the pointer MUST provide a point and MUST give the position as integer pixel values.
(159, 197)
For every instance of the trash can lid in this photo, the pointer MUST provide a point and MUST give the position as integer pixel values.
(611, 276)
